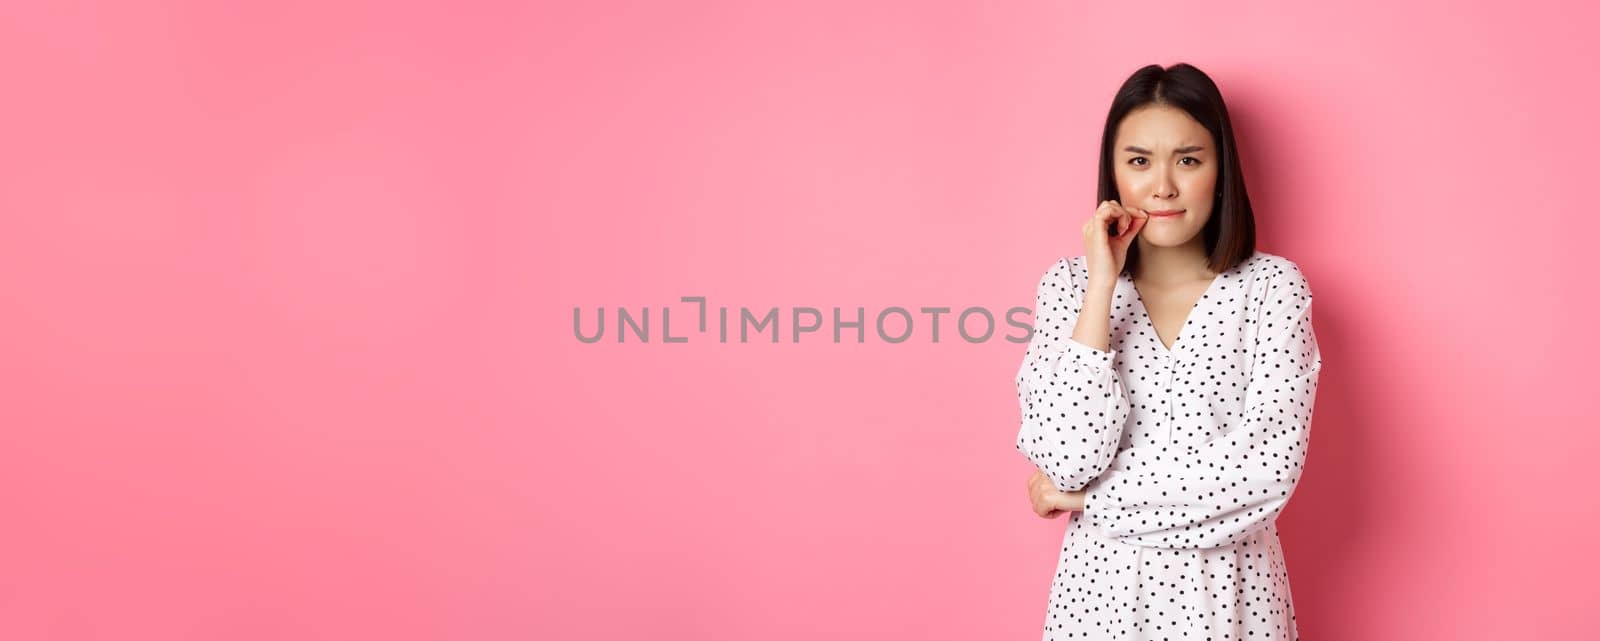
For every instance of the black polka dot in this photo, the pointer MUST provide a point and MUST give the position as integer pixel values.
(1187, 454)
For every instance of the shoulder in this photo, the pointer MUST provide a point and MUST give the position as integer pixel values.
(1281, 281)
(1270, 263)
(1275, 272)
(1064, 271)
(1063, 278)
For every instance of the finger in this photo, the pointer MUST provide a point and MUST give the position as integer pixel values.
(1107, 210)
(1102, 222)
(1123, 221)
(1093, 229)
(1135, 219)
(1120, 212)
(1132, 213)
(1099, 219)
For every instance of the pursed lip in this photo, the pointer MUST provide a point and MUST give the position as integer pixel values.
(1164, 212)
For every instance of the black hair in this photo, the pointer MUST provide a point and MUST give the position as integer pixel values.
(1230, 233)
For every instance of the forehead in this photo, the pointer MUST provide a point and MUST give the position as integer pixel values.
(1161, 126)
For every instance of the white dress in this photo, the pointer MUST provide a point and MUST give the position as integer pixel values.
(1187, 454)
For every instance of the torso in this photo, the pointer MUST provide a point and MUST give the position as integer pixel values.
(1187, 357)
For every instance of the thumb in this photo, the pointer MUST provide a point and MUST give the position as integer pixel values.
(1140, 217)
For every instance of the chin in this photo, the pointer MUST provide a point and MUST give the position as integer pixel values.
(1165, 240)
(1171, 234)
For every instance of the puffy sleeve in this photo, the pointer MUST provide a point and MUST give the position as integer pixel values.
(1221, 491)
(1073, 404)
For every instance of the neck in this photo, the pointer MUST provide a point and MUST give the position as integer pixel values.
(1169, 265)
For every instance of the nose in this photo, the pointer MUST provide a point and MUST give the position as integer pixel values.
(1166, 187)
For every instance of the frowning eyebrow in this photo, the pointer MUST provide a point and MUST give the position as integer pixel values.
(1181, 150)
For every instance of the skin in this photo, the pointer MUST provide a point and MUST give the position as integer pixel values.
(1164, 159)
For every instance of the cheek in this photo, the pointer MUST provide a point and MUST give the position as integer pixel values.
(1130, 184)
(1202, 182)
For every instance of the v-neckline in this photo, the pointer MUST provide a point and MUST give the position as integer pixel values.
(1183, 330)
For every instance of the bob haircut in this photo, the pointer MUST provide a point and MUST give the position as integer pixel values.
(1230, 233)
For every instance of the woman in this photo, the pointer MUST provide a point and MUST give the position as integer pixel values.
(1168, 386)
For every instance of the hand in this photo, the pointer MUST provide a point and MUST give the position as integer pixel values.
(1106, 254)
(1048, 502)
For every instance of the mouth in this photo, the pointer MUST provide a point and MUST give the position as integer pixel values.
(1164, 213)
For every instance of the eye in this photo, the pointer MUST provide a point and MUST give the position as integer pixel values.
(1196, 160)
(1133, 161)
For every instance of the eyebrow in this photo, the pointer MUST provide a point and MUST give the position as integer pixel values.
(1181, 150)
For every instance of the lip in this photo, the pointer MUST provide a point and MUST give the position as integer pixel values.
(1164, 213)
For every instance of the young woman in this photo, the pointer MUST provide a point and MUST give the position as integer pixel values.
(1168, 385)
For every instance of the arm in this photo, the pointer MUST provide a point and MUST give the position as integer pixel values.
(1221, 491)
(1073, 404)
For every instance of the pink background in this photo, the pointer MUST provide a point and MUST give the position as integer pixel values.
(287, 296)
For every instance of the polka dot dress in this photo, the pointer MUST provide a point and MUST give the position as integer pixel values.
(1187, 454)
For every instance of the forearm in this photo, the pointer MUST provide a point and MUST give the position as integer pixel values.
(1094, 320)
(1073, 403)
